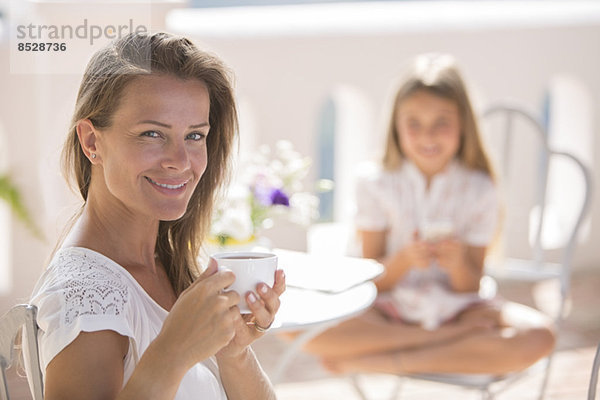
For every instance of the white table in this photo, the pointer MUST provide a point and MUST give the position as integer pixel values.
(311, 312)
(321, 293)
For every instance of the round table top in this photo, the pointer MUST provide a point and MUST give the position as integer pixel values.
(305, 308)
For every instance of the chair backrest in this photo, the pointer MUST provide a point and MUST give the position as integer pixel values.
(537, 211)
(22, 316)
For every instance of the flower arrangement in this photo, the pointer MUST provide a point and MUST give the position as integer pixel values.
(269, 185)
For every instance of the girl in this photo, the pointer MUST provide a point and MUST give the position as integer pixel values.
(428, 215)
(123, 309)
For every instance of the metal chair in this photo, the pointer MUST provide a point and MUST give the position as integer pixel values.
(594, 375)
(20, 316)
(530, 264)
(548, 257)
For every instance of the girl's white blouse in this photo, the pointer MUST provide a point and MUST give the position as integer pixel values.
(399, 202)
(84, 291)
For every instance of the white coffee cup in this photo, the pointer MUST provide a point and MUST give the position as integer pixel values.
(250, 268)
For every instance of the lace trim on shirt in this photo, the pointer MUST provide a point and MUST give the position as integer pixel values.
(92, 287)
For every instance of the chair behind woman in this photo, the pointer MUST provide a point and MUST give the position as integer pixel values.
(20, 316)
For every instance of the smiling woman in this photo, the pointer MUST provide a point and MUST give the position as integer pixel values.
(153, 168)
(123, 309)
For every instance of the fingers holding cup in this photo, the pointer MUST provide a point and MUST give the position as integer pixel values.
(279, 286)
(263, 307)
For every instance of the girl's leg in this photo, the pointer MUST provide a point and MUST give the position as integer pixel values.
(372, 333)
(521, 337)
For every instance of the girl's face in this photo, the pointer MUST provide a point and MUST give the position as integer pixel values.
(154, 153)
(429, 130)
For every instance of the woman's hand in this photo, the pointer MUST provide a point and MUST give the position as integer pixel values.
(251, 326)
(204, 319)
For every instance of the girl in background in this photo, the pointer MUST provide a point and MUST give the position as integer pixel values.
(428, 213)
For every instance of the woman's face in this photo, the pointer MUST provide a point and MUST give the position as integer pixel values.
(429, 130)
(154, 153)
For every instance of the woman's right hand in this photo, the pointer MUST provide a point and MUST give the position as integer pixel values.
(203, 319)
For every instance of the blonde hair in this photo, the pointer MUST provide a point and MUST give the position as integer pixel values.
(107, 75)
(438, 74)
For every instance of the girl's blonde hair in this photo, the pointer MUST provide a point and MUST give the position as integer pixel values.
(107, 75)
(438, 74)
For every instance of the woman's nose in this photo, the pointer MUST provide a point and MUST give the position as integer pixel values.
(176, 157)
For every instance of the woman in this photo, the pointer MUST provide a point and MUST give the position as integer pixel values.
(124, 311)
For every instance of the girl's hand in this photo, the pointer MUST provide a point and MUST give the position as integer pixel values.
(450, 255)
(418, 253)
(463, 263)
(251, 326)
(204, 318)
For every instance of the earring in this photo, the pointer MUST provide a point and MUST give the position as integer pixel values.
(93, 155)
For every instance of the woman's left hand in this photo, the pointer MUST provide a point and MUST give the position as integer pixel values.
(263, 308)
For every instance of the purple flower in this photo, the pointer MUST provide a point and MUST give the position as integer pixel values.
(278, 197)
(268, 196)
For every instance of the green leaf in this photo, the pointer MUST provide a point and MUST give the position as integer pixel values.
(10, 194)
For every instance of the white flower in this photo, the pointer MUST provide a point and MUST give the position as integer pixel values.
(304, 208)
(268, 184)
(235, 223)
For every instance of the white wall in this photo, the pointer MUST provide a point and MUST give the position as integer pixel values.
(286, 79)
(289, 60)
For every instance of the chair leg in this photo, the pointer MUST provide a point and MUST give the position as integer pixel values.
(486, 394)
(3, 384)
(594, 376)
(397, 388)
(546, 377)
(361, 392)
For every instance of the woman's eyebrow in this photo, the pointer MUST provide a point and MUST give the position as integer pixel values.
(202, 125)
(149, 121)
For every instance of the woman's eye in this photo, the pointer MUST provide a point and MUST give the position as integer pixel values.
(153, 134)
(197, 136)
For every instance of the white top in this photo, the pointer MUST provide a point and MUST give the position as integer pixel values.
(82, 290)
(459, 201)
(399, 202)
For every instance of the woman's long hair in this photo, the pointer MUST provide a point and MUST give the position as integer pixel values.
(438, 74)
(107, 75)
